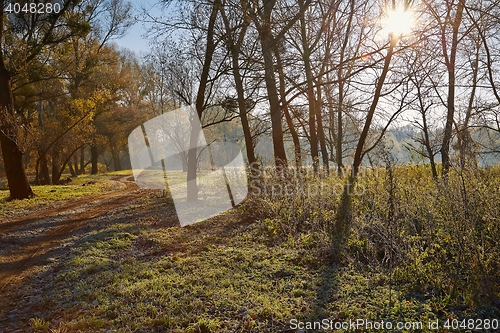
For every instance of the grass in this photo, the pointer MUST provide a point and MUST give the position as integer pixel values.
(82, 186)
(220, 276)
(246, 272)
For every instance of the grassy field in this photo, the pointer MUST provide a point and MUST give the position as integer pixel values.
(418, 251)
(225, 275)
(82, 186)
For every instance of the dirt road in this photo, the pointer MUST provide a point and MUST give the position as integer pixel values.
(29, 242)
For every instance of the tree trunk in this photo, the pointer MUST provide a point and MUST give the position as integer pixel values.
(44, 170)
(75, 163)
(428, 146)
(37, 173)
(450, 65)
(340, 128)
(465, 141)
(94, 155)
(310, 94)
(71, 169)
(64, 163)
(426, 140)
(19, 186)
(275, 109)
(286, 112)
(82, 161)
(55, 165)
(340, 107)
(321, 133)
(267, 43)
(344, 213)
(358, 156)
(333, 138)
(192, 188)
(235, 47)
(117, 164)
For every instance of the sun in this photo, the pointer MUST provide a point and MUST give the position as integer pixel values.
(398, 22)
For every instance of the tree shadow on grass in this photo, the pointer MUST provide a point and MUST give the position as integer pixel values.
(49, 264)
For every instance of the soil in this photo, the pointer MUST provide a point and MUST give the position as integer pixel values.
(30, 242)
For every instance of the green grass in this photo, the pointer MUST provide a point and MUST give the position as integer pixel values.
(219, 276)
(252, 270)
(190, 283)
(82, 186)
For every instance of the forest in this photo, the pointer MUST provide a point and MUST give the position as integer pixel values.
(370, 134)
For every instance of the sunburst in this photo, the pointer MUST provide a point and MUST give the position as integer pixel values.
(398, 22)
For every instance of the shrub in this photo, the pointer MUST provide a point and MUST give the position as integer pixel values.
(438, 235)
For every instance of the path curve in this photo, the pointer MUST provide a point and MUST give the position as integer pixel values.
(44, 231)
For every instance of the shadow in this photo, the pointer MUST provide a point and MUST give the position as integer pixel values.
(53, 211)
(76, 234)
(330, 283)
(26, 264)
(28, 246)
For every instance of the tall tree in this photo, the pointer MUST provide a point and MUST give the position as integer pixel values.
(234, 41)
(31, 33)
(311, 97)
(192, 188)
(75, 61)
(341, 87)
(261, 15)
(453, 21)
(286, 111)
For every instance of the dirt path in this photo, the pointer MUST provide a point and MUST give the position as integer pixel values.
(28, 242)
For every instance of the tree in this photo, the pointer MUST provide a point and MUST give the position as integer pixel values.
(311, 98)
(128, 111)
(29, 35)
(261, 16)
(234, 43)
(109, 20)
(286, 110)
(451, 23)
(341, 87)
(424, 106)
(483, 17)
(395, 35)
(192, 188)
(72, 64)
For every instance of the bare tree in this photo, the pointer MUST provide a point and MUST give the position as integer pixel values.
(261, 16)
(235, 35)
(449, 25)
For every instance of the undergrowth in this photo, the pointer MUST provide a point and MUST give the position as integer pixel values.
(431, 235)
(417, 250)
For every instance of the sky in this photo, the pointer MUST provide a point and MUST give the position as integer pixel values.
(135, 39)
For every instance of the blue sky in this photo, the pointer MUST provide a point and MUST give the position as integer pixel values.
(135, 39)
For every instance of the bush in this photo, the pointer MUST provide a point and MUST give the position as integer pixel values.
(434, 235)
